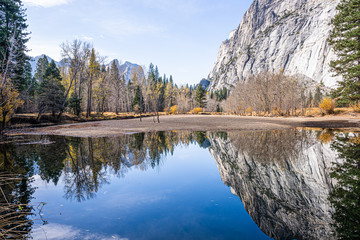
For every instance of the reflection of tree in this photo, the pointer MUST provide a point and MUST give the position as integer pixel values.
(90, 160)
(16, 193)
(85, 164)
(50, 159)
(346, 195)
(83, 171)
(269, 146)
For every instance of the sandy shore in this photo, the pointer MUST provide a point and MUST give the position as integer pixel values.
(192, 122)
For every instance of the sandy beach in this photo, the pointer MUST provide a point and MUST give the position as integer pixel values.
(192, 123)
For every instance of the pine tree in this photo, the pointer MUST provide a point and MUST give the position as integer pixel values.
(200, 96)
(41, 67)
(138, 104)
(74, 103)
(345, 39)
(13, 37)
(51, 93)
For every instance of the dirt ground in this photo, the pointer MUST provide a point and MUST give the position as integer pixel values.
(191, 122)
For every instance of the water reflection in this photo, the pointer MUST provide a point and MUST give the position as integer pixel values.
(282, 177)
(345, 197)
(86, 163)
(16, 193)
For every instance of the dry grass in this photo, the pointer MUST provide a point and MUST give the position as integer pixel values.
(13, 218)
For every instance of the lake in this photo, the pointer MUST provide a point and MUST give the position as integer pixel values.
(289, 184)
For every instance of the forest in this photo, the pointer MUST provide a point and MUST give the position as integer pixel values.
(86, 85)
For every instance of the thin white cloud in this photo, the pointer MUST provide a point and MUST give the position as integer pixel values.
(54, 231)
(46, 3)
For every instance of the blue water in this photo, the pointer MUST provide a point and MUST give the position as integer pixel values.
(181, 198)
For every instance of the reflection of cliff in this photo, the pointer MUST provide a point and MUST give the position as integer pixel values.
(282, 178)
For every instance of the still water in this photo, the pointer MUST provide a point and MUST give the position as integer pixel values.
(293, 184)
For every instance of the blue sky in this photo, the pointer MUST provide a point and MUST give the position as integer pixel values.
(182, 37)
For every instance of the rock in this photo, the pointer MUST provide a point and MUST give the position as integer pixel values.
(278, 34)
(128, 70)
(282, 178)
(205, 83)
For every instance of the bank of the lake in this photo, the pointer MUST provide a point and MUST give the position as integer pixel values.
(192, 123)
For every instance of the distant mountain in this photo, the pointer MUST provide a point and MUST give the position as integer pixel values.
(205, 83)
(128, 70)
(34, 61)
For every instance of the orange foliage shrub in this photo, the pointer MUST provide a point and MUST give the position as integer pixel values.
(196, 110)
(9, 102)
(173, 109)
(327, 105)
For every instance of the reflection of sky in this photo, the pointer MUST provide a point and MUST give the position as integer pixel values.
(57, 231)
(183, 198)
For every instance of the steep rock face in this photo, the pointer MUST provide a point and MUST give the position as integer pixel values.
(283, 185)
(278, 34)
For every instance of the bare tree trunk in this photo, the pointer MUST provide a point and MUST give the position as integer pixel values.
(117, 104)
(88, 108)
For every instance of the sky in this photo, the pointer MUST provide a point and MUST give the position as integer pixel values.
(181, 37)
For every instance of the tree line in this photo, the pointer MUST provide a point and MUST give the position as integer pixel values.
(83, 83)
(273, 94)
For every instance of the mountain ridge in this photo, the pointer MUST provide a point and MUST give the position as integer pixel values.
(126, 69)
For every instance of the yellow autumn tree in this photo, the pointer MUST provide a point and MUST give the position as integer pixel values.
(327, 106)
(9, 101)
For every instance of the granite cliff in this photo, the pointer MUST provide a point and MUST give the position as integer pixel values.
(278, 34)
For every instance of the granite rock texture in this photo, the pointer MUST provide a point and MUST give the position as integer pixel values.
(278, 34)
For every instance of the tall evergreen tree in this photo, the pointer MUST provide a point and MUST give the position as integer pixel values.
(138, 101)
(51, 93)
(200, 96)
(345, 39)
(13, 37)
(41, 67)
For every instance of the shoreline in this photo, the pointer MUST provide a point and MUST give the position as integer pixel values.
(215, 123)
